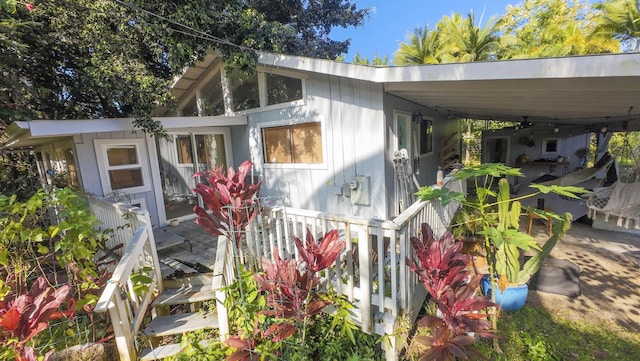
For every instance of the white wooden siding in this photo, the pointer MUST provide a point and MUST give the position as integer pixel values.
(87, 162)
(354, 131)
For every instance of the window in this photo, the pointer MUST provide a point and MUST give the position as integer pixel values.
(211, 95)
(297, 143)
(426, 136)
(191, 109)
(183, 147)
(282, 89)
(122, 165)
(551, 145)
(244, 88)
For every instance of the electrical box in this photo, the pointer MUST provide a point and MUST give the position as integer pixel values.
(360, 191)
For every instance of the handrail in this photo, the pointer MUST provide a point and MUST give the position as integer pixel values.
(372, 272)
(126, 308)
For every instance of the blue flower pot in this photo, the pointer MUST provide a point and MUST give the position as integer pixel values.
(512, 299)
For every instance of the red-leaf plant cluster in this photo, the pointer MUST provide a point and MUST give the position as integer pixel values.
(24, 315)
(291, 289)
(229, 199)
(441, 268)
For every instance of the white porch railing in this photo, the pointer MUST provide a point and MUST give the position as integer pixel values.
(132, 227)
(372, 272)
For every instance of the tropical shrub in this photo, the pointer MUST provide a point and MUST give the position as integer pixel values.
(461, 317)
(229, 199)
(497, 218)
(23, 315)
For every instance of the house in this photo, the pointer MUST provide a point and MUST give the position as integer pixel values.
(324, 134)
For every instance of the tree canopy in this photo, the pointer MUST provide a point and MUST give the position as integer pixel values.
(530, 29)
(74, 59)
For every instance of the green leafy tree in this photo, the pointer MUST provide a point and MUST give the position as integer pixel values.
(79, 59)
(620, 19)
(547, 28)
(377, 60)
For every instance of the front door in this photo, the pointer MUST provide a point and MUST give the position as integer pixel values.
(496, 150)
(181, 157)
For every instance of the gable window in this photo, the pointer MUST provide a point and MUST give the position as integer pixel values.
(244, 88)
(295, 143)
(211, 95)
(282, 89)
(122, 165)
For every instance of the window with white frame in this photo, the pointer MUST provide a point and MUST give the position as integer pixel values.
(282, 89)
(122, 165)
(294, 143)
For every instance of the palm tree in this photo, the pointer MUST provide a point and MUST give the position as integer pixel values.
(468, 42)
(423, 48)
(621, 20)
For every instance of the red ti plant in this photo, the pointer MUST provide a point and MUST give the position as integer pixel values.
(319, 256)
(229, 199)
(441, 268)
(292, 296)
(24, 315)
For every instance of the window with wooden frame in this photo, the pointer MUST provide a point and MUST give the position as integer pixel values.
(295, 143)
(183, 148)
(122, 165)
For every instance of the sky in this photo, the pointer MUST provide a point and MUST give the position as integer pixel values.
(392, 21)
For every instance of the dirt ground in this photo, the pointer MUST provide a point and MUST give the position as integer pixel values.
(609, 277)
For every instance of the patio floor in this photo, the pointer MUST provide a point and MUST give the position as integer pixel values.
(609, 276)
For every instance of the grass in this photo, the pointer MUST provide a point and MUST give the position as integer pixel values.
(533, 334)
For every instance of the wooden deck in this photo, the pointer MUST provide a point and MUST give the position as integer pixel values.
(185, 249)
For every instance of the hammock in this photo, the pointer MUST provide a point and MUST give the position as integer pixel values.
(621, 200)
(579, 176)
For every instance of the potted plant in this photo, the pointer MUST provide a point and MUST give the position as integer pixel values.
(497, 222)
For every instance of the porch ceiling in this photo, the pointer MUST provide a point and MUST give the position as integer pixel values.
(583, 101)
(589, 91)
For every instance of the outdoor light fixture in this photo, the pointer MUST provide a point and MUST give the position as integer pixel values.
(556, 130)
(603, 129)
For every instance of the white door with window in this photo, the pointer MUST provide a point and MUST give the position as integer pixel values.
(182, 156)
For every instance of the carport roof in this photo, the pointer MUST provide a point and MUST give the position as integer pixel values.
(586, 90)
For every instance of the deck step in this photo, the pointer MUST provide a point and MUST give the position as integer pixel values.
(160, 352)
(180, 323)
(175, 266)
(192, 280)
(164, 351)
(188, 294)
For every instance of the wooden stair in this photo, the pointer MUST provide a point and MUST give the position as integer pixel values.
(184, 291)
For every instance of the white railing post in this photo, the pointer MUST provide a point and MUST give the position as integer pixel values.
(122, 328)
(364, 258)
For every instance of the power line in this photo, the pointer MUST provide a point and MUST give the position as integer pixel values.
(193, 32)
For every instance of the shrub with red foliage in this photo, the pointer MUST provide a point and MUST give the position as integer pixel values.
(24, 315)
(292, 295)
(229, 198)
(441, 268)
